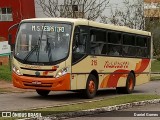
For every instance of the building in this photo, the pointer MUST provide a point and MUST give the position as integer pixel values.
(12, 12)
(152, 9)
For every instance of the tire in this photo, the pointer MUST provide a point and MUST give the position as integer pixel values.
(91, 87)
(43, 93)
(130, 83)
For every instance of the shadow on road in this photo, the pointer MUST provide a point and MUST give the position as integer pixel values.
(68, 95)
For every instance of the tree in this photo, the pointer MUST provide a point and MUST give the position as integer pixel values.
(152, 23)
(132, 15)
(135, 14)
(89, 9)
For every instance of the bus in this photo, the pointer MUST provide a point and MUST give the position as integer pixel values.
(65, 54)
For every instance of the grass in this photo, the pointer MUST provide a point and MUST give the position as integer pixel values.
(98, 104)
(5, 73)
(155, 67)
(91, 105)
(2, 118)
(154, 78)
(3, 90)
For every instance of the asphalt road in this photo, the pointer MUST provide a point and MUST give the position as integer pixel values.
(147, 112)
(28, 100)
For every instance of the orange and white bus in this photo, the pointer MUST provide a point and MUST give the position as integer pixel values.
(55, 54)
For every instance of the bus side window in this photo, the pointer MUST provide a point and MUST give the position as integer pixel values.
(75, 42)
(82, 43)
(97, 41)
(93, 38)
(79, 43)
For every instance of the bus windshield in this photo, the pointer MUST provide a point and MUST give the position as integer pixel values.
(43, 42)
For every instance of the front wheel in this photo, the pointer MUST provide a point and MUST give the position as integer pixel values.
(42, 92)
(91, 87)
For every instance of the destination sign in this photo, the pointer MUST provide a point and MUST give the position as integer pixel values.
(48, 28)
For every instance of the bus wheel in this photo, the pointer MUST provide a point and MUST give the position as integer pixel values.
(42, 92)
(130, 83)
(91, 87)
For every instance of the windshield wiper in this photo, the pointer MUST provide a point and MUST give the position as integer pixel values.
(35, 48)
(30, 53)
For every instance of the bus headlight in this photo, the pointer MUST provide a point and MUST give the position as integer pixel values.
(62, 72)
(16, 70)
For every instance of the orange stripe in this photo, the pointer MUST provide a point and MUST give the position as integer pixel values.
(112, 79)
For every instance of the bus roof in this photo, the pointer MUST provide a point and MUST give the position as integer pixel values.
(81, 21)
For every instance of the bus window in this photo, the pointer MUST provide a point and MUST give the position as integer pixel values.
(75, 42)
(114, 37)
(82, 43)
(98, 35)
(141, 41)
(131, 51)
(128, 39)
(98, 48)
(97, 42)
(114, 50)
(125, 50)
(79, 43)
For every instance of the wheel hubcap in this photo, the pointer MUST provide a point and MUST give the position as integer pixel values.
(91, 86)
(130, 84)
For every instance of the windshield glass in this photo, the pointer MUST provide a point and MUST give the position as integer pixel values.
(42, 42)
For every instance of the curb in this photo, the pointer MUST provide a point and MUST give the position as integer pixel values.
(95, 111)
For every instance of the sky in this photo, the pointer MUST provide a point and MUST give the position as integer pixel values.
(112, 3)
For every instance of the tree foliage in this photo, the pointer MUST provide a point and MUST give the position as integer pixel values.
(132, 15)
(135, 14)
(89, 9)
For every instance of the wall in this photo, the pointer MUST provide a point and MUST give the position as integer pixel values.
(21, 9)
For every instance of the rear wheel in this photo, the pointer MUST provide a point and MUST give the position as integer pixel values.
(42, 92)
(91, 87)
(130, 83)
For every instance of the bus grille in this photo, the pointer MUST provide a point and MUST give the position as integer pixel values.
(37, 76)
(37, 85)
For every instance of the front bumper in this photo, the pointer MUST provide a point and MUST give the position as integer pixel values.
(25, 82)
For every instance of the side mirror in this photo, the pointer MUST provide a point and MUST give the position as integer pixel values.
(12, 45)
(10, 39)
(9, 33)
